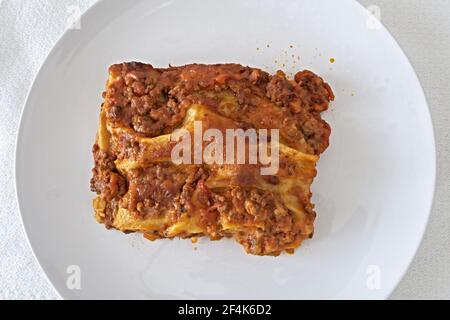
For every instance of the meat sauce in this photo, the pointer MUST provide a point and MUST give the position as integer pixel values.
(152, 101)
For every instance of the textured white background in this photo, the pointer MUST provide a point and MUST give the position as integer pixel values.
(29, 29)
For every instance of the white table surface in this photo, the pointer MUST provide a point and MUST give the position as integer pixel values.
(30, 28)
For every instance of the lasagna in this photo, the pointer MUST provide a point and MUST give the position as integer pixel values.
(140, 189)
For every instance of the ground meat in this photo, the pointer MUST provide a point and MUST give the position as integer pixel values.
(106, 180)
(108, 183)
(162, 187)
(274, 223)
(313, 91)
(154, 101)
(145, 102)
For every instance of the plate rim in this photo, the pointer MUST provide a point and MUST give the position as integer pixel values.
(91, 10)
(430, 201)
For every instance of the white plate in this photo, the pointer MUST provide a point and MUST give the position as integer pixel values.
(375, 184)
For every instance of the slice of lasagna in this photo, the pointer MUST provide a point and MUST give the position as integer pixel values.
(141, 189)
